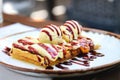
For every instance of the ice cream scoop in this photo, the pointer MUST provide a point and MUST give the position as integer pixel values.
(71, 30)
(50, 34)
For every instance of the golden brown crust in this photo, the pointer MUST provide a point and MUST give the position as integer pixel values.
(41, 61)
(25, 56)
(69, 52)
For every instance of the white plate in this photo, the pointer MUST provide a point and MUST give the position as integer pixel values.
(110, 47)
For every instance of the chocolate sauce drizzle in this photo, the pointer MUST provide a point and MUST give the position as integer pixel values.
(7, 50)
(61, 66)
(48, 34)
(82, 60)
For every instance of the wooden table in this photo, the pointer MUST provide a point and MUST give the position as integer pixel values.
(113, 74)
(10, 19)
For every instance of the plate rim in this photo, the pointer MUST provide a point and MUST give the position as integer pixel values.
(49, 71)
(61, 71)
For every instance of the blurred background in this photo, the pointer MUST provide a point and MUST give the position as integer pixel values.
(100, 14)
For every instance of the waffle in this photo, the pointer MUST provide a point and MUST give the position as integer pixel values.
(69, 51)
(54, 45)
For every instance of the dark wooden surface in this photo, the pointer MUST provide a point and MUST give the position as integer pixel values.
(10, 19)
(112, 74)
